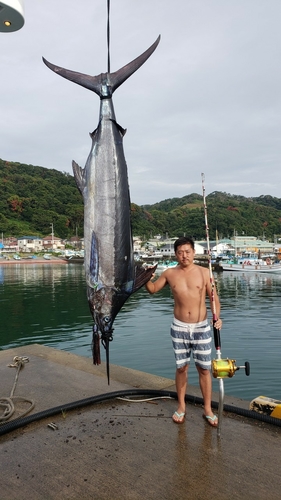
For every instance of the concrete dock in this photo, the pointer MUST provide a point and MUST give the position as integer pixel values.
(126, 450)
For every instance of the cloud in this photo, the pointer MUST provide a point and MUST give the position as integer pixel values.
(208, 100)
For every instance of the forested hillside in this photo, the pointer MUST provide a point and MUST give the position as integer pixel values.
(227, 213)
(32, 198)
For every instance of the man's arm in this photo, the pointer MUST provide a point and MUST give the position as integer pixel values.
(155, 286)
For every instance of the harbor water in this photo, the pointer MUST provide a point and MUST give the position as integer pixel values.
(46, 304)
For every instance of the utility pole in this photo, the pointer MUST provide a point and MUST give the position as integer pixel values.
(52, 226)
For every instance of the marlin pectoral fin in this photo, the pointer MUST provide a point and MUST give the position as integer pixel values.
(94, 260)
(143, 276)
(78, 176)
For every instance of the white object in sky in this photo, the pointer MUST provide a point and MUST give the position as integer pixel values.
(11, 15)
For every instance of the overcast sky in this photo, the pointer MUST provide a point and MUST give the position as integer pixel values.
(208, 99)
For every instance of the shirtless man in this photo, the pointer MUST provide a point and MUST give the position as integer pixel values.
(190, 330)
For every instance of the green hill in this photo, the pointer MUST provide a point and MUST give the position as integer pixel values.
(227, 213)
(32, 198)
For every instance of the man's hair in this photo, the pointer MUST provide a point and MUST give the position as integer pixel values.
(184, 240)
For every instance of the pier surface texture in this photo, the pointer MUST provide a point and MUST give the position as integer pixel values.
(121, 450)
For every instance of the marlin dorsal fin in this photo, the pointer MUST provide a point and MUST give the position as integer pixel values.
(78, 176)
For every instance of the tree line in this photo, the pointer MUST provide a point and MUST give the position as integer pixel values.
(32, 198)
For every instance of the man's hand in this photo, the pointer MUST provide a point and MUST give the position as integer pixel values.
(218, 324)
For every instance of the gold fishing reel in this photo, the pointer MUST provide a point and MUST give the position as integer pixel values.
(226, 368)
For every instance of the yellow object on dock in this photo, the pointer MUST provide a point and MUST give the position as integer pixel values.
(268, 406)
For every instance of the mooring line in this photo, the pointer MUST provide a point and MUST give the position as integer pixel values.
(7, 403)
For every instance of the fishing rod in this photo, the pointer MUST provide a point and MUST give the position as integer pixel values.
(217, 339)
(212, 281)
(221, 368)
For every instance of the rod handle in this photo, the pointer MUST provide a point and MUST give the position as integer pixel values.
(217, 338)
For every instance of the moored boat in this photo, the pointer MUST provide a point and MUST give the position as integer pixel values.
(162, 266)
(250, 267)
(251, 262)
(74, 257)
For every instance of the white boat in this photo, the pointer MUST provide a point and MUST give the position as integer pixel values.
(251, 267)
(75, 257)
(162, 266)
(157, 255)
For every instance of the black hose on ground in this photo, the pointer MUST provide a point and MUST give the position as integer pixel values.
(21, 422)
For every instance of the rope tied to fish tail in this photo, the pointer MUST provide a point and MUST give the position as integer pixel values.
(108, 36)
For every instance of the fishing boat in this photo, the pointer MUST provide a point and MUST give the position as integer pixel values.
(74, 257)
(249, 263)
(162, 266)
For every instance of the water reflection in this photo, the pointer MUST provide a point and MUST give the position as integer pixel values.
(43, 304)
(47, 304)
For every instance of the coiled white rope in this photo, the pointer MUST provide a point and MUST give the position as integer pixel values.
(7, 403)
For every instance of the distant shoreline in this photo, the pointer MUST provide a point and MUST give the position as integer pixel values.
(11, 262)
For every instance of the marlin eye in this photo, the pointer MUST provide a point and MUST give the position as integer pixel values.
(106, 319)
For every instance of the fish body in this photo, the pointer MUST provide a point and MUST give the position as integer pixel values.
(111, 274)
(109, 265)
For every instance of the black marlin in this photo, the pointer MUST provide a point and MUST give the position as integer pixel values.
(111, 274)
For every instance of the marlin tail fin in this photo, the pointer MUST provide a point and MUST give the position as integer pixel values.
(106, 83)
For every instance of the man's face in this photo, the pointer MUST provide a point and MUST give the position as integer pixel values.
(185, 254)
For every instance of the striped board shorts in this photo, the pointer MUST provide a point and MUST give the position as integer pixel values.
(195, 337)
